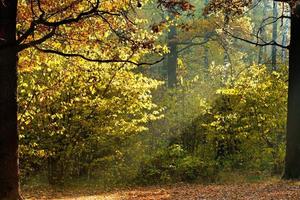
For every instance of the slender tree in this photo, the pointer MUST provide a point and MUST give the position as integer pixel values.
(206, 61)
(262, 49)
(274, 36)
(172, 57)
(284, 40)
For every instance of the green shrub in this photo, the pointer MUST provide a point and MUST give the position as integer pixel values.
(174, 164)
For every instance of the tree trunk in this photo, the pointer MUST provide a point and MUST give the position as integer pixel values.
(9, 172)
(172, 57)
(206, 61)
(284, 40)
(292, 159)
(274, 37)
(226, 53)
(262, 50)
(55, 172)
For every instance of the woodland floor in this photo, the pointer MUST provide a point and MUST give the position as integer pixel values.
(250, 191)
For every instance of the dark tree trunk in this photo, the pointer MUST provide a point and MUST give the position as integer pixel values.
(274, 37)
(284, 40)
(262, 50)
(9, 172)
(225, 46)
(172, 57)
(206, 61)
(292, 159)
(55, 172)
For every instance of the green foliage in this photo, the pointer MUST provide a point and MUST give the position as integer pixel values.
(174, 164)
(77, 117)
(110, 123)
(249, 114)
(241, 126)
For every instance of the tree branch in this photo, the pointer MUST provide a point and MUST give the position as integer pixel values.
(36, 42)
(75, 55)
(257, 43)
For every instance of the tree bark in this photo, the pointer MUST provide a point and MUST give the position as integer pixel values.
(274, 37)
(262, 50)
(9, 172)
(292, 159)
(206, 61)
(285, 32)
(225, 46)
(172, 57)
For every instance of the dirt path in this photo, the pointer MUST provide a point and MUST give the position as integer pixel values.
(258, 191)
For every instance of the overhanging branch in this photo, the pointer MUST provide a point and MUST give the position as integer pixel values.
(257, 43)
(76, 55)
(36, 42)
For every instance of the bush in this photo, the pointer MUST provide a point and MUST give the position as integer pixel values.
(174, 164)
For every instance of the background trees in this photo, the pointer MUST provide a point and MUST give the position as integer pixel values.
(291, 162)
(92, 106)
(206, 123)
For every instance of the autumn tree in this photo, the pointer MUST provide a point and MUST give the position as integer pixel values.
(9, 180)
(60, 28)
(74, 117)
(292, 161)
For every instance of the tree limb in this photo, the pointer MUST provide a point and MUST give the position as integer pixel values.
(76, 55)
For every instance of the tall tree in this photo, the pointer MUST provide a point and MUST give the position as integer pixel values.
(274, 36)
(292, 161)
(284, 40)
(46, 26)
(172, 57)
(226, 25)
(262, 49)
(9, 173)
(206, 61)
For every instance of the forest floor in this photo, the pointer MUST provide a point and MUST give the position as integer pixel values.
(274, 190)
